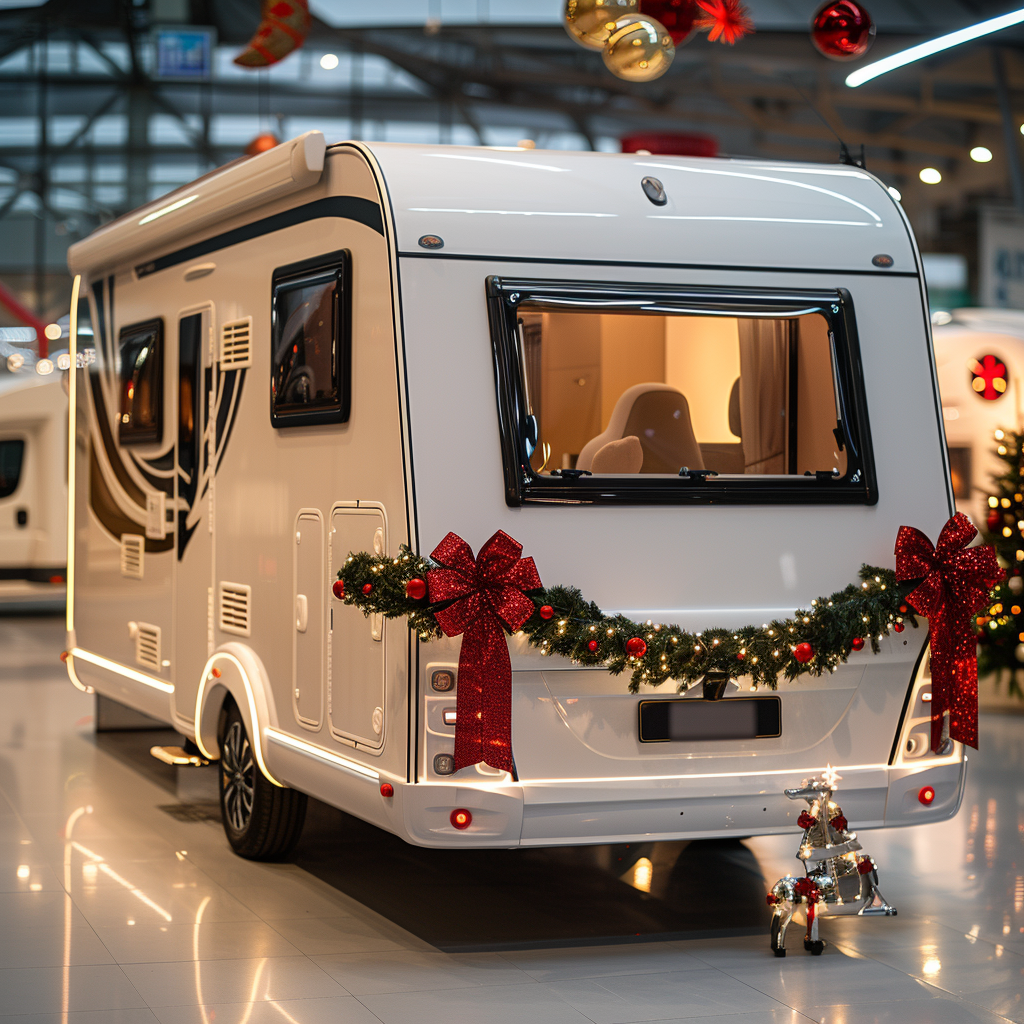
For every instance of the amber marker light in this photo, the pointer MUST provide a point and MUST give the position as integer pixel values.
(386, 789)
(926, 795)
(461, 819)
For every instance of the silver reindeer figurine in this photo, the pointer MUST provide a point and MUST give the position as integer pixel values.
(837, 880)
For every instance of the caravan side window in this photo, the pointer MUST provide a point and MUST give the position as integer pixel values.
(630, 394)
(309, 371)
(142, 383)
(12, 453)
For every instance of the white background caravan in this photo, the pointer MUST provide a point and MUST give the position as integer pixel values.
(315, 352)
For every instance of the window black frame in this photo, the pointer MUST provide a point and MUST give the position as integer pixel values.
(127, 433)
(4, 494)
(523, 486)
(294, 274)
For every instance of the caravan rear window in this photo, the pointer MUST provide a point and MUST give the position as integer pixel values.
(142, 383)
(309, 373)
(615, 394)
(12, 453)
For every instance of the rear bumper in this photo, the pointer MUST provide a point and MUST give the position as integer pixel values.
(583, 812)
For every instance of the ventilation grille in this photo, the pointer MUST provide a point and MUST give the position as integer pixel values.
(147, 646)
(235, 344)
(133, 547)
(233, 601)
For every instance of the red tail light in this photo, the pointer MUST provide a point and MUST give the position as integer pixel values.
(461, 819)
(386, 789)
(926, 795)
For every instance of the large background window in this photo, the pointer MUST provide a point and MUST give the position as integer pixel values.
(12, 454)
(309, 357)
(679, 395)
(142, 383)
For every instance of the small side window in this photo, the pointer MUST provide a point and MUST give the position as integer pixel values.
(12, 454)
(141, 404)
(309, 371)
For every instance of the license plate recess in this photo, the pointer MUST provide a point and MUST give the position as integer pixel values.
(691, 720)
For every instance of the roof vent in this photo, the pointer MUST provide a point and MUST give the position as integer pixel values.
(147, 645)
(235, 344)
(233, 600)
(133, 547)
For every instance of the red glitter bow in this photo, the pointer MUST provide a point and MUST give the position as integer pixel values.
(486, 595)
(956, 582)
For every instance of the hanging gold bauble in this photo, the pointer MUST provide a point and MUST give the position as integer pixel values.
(639, 49)
(591, 22)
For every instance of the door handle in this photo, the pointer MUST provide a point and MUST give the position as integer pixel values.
(301, 612)
(22, 517)
(376, 625)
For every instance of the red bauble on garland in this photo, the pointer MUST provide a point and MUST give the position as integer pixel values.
(803, 652)
(993, 519)
(338, 589)
(416, 589)
(898, 626)
(842, 30)
(636, 647)
(546, 612)
(367, 587)
(857, 643)
(725, 19)
(678, 16)
(592, 646)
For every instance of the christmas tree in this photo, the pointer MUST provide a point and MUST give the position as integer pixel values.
(1000, 626)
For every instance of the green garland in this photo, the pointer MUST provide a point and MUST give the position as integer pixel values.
(834, 627)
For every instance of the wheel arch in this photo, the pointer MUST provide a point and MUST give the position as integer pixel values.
(235, 670)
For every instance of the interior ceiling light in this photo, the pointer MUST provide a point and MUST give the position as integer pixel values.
(933, 46)
(329, 61)
(930, 176)
(981, 154)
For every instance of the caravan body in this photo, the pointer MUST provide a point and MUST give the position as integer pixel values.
(311, 353)
(33, 490)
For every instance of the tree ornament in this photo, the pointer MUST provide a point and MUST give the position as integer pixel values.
(592, 646)
(636, 647)
(857, 643)
(416, 589)
(591, 22)
(1018, 652)
(993, 519)
(725, 19)
(546, 612)
(639, 49)
(1016, 585)
(484, 598)
(367, 588)
(898, 626)
(865, 866)
(283, 28)
(678, 16)
(955, 582)
(803, 652)
(338, 589)
(842, 30)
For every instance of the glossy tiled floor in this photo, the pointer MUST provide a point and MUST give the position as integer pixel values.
(112, 911)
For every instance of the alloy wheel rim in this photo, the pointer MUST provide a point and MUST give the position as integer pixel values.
(237, 777)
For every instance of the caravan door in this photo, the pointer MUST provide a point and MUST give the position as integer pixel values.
(356, 673)
(193, 563)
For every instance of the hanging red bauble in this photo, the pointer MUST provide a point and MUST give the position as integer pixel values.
(338, 589)
(636, 647)
(992, 521)
(367, 587)
(898, 626)
(416, 589)
(842, 30)
(741, 655)
(678, 16)
(546, 611)
(803, 652)
(592, 646)
(857, 643)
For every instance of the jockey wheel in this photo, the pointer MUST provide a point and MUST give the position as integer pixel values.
(814, 948)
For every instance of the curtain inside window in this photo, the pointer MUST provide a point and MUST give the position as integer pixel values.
(765, 347)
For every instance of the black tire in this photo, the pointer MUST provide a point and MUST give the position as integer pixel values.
(262, 821)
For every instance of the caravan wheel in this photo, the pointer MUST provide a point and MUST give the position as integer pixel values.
(261, 820)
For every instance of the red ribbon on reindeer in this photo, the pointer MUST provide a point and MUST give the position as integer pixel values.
(955, 583)
(486, 595)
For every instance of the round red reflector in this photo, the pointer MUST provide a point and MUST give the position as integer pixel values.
(386, 789)
(926, 795)
(461, 819)
(56, 579)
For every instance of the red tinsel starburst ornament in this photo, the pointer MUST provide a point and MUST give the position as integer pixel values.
(725, 19)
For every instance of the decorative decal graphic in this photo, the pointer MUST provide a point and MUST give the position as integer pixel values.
(120, 480)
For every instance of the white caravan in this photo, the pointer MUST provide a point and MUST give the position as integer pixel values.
(979, 354)
(327, 349)
(33, 490)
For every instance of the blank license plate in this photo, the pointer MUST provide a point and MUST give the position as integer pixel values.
(733, 718)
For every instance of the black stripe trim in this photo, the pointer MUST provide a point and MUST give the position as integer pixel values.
(558, 261)
(346, 207)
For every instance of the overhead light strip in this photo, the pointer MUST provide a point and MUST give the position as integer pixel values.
(933, 46)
